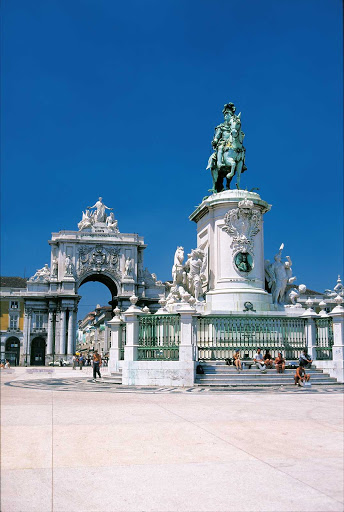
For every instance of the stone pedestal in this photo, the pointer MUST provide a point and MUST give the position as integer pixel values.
(230, 230)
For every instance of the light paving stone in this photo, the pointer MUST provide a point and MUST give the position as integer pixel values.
(26, 447)
(223, 487)
(26, 490)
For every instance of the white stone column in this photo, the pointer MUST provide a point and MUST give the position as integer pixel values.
(70, 345)
(310, 315)
(338, 342)
(187, 347)
(116, 343)
(25, 337)
(50, 333)
(62, 332)
(131, 316)
(106, 337)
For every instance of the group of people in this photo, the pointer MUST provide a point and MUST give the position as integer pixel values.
(6, 365)
(96, 362)
(266, 361)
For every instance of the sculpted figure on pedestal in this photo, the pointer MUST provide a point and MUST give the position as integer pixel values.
(127, 267)
(86, 221)
(99, 215)
(42, 274)
(68, 266)
(188, 277)
(228, 158)
(54, 267)
(177, 269)
(195, 267)
(278, 275)
(112, 223)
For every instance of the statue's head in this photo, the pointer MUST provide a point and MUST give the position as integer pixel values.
(100, 198)
(229, 108)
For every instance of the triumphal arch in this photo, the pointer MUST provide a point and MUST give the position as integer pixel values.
(97, 251)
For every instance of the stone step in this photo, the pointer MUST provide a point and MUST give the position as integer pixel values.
(261, 378)
(231, 369)
(261, 384)
(258, 382)
(115, 377)
(242, 375)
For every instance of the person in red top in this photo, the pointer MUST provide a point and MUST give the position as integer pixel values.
(280, 363)
(97, 362)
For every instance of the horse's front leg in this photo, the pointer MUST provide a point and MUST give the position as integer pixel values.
(239, 168)
(232, 171)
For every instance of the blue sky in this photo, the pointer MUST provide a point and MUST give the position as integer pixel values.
(120, 99)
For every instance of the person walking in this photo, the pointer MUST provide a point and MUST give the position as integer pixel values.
(97, 362)
(74, 362)
(81, 362)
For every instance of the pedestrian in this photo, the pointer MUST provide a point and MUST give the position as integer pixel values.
(7, 364)
(81, 362)
(61, 361)
(74, 362)
(97, 362)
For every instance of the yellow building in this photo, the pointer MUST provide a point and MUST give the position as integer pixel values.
(12, 318)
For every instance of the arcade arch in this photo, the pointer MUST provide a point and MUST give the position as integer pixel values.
(12, 350)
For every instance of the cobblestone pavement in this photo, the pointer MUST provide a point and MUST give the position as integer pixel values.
(86, 384)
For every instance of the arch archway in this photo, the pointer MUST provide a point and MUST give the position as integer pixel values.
(105, 279)
(12, 350)
(37, 352)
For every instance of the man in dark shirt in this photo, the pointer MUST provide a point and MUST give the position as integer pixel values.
(97, 362)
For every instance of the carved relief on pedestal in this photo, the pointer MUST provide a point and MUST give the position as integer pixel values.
(98, 259)
(243, 223)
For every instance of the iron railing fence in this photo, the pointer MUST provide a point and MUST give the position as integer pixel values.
(324, 337)
(159, 337)
(219, 336)
(123, 340)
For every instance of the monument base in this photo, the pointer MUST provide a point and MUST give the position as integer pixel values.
(238, 299)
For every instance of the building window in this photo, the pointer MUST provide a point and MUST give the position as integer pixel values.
(13, 322)
(39, 320)
(14, 304)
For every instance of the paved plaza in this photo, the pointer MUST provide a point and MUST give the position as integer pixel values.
(69, 444)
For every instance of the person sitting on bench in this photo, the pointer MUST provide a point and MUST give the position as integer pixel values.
(305, 360)
(280, 363)
(268, 359)
(301, 376)
(236, 359)
(259, 360)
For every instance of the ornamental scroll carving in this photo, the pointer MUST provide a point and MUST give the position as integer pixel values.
(243, 223)
(98, 259)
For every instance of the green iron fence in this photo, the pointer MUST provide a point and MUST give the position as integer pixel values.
(324, 338)
(123, 332)
(219, 336)
(159, 337)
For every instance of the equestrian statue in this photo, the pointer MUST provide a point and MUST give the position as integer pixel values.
(228, 158)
